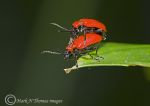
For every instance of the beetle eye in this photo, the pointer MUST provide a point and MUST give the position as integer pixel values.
(81, 28)
(99, 31)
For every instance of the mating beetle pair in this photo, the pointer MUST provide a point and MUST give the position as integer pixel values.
(84, 34)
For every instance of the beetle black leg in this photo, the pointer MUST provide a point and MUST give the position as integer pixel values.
(70, 41)
(104, 35)
(91, 56)
(76, 64)
(76, 54)
(97, 57)
(83, 30)
(97, 49)
(84, 36)
(91, 49)
(76, 58)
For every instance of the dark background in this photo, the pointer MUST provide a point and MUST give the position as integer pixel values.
(25, 32)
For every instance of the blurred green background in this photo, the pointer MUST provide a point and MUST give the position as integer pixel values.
(25, 32)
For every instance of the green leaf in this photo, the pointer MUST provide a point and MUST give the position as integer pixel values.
(117, 54)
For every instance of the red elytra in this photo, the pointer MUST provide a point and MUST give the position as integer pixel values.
(79, 43)
(89, 23)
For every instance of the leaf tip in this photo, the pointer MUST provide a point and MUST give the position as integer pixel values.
(68, 70)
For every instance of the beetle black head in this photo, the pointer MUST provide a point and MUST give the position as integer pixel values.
(67, 55)
(81, 29)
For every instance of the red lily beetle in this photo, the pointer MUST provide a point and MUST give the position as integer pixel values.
(77, 47)
(85, 26)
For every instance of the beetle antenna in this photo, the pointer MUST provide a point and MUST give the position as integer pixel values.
(61, 27)
(63, 31)
(50, 52)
